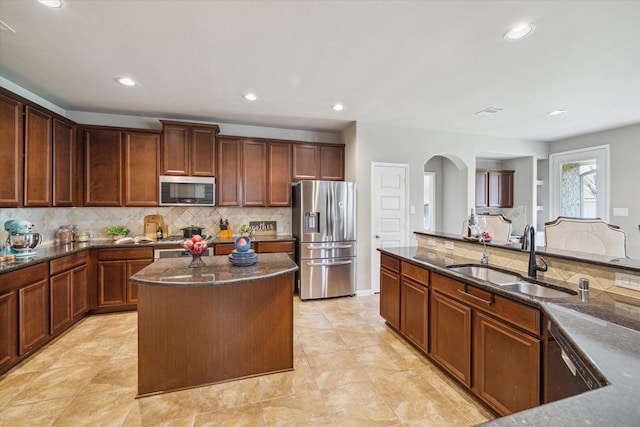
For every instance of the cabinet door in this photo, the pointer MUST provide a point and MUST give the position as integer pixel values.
(332, 163)
(414, 309)
(482, 189)
(103, 167)
(64, 164)
(8, 328)
(60, 288)
(279, 186)
(450, 336)
(203, 151)
(112, 281)
(306, 162)
(37, 158)
(33, 314)
(11, 150)
(390, 297)
(175, 149)
(141, 169)
(229, 177)
(254, 173)
(132, 268)
(506, 366)
(501, 189)
(79, 290)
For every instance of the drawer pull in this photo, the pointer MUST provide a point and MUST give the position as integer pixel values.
(464, 292)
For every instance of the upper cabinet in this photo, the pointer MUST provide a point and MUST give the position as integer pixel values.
(254, 173)
(494, 188)
(11, 152)
(37, 157)
(229, 182)
(65, 174)
(121, 167)
(318, 161)
(188, 148)
(279, 178)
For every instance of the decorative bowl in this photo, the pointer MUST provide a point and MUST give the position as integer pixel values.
(243, 247)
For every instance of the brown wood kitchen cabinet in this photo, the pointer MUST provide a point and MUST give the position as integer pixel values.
(498, 337)
(390, 290)
(103, 167)
(279, 180)
(494, 188)
(266, 173)
(11, 152)
(318, 161)
(188, 148)
(33, 307)
(8, 328)
(38, 142)
(259, 247)
(115, 266)
(414, 303)
(141, 169)
(229, 182)
(64, 170)
(68, 290)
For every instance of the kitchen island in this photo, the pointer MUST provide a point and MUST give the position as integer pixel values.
(199, 326)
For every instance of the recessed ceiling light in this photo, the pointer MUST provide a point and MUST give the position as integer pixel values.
(250, 96)
(556, 112)
(126, 81)
(337, 107)
(519, 31)
(51, 3)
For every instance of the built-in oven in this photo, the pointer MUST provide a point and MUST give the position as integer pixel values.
(566, 373)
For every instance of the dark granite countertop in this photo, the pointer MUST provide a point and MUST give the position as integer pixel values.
(258, 239)
(604, 331)
(218, 270)
(621, 263)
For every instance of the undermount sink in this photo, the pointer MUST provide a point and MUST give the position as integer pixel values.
(484, 272)
(537, 290)
(510, 281)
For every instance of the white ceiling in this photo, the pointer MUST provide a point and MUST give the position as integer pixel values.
(425, 64)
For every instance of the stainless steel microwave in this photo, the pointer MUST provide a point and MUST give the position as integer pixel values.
(187, 191)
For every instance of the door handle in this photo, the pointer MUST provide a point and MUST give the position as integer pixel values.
(377, 236)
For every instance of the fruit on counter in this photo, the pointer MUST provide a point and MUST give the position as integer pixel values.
(196, 246)
(196, 238)
(242, 242)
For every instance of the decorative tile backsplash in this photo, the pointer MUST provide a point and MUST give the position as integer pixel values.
(96, 220)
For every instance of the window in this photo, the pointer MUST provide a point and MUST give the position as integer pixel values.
(580, 183)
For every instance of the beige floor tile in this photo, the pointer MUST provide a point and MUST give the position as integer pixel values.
(115, 373)
(359, 402)
(156, 409)
(229, 395)
(108, 408)
(322, 341)
(287, 383)
(13, 383)
(56, 383)
(305, 409)
(34, 414)
(242, 416)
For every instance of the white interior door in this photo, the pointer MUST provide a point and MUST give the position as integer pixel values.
(389, 219)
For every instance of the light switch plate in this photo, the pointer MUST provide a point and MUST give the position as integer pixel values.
(620, 211)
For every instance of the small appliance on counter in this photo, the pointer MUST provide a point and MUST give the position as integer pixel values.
(21, 238)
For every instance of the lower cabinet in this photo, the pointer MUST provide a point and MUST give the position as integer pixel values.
(259, 247)
(67, 290)
(8, 328)
(390, 290)
(61, 289)
(115, 266)
(33, 315)
(414, 304)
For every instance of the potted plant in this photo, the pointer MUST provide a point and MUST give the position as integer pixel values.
(245, 230)
(118, 231)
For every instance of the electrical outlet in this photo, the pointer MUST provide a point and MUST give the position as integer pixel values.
(431, 242)
(448, 245)
(629, 281)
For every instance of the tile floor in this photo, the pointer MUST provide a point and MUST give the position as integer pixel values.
(350, 370)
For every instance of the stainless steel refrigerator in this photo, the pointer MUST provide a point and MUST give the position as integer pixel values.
(324, 224)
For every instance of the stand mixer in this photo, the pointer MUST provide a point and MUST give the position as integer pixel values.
(21, 239)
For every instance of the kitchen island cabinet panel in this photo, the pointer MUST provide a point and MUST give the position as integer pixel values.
(8, 328)
(414, 304)
(37, 158)
(141, 169)
(390, 290)
(229, 182)
(64, 164)
(254, 173)
(103, 167)
(11, 152)
(506, 366)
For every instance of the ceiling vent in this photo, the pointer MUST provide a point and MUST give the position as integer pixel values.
(489, 111)
(5, 27)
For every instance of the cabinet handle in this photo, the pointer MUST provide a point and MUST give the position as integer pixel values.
(464, 292)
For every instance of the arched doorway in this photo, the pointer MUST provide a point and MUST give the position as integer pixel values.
(448, 200)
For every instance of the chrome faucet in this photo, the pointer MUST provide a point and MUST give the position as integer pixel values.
(533, 263)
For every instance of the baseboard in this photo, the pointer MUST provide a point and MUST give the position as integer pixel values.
(364, 292)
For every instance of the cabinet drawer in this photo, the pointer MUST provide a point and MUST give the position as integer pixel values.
(65, 263)
(419, 274)
(24, 276)
(525, 317)
(390, 262)
(130, 253)
(275, 247)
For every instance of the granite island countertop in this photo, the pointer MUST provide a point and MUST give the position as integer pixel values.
(218, 270)
(604, 331)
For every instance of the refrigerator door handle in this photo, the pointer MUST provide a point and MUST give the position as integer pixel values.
(313, 247)
(328, 264)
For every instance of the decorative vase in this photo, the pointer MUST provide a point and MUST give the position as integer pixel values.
(196, 262)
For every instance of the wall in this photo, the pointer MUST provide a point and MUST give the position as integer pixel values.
(378, 142)
(625, 151)
(96, 220)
